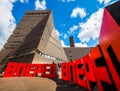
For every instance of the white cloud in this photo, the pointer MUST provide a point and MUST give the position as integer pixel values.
(72, 29)
(67, 0)
(62, 25)
(40, 5)
(70, 0)
(7, 20)
(57, 32)
(113, 1)
(2, 41)
(65, 36)
(78, 12)
(103, 1)
(63, 44)
(91, 28)
(81, 45)
(24, 1)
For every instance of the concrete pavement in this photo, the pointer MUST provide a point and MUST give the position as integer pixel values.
(27, 84)
(37, 84)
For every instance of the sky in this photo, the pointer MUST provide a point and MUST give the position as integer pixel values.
(78, 18)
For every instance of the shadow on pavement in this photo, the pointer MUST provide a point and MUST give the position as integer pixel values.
(67, 86)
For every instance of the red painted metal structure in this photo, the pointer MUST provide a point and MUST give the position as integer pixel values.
(101, 67)
(110, 46)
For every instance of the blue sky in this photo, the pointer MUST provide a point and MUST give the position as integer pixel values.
(79, 18)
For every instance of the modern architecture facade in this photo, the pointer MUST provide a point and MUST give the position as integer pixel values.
(35, 40)
(74, 53)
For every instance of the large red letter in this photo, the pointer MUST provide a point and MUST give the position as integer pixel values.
(21, 69)
(30, 70)
(101, 71)
(38, 70)
(72, 72)
(53, 71)
(10, 70)
(80, 73)
(110, 41)
(89, 73)
(64, 71)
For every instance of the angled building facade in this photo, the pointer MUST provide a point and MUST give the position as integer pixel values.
(74, 52)
(34, 40)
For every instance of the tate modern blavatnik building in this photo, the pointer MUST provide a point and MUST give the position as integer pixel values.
(35, 40)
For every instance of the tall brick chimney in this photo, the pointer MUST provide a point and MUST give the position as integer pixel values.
(72, 44)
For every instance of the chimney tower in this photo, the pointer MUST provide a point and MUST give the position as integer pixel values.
(72, 44)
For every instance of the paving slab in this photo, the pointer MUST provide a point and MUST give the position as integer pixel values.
(27, 84)
(37, 84)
